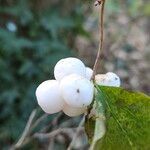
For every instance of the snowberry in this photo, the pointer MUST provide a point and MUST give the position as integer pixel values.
(108, 79)
(113, 79)
(73, 111)
(69, 66)
(77, 91)
(89, 73)
(49, 97)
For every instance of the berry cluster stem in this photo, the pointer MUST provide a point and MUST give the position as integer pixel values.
(101, 39)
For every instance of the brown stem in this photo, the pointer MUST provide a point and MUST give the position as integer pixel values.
(101, 39)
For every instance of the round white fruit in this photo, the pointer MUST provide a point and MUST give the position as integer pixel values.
(108, 79)
(69, 66)
(113, 79)
(89, 73)
(49, 97)
(77, 91)
(73, 111)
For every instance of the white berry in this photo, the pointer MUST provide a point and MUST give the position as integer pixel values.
(89, 73)
(108, 79)
(73, 111)
(69, 66)
(49, 97)
(113, 79)
(77, 91)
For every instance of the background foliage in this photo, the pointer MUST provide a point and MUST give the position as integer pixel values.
(28, 55)
(47, 30)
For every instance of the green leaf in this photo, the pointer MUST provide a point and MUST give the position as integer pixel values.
(95, 121)
(127, 120)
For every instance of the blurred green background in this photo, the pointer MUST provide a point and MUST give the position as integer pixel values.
(35, 34)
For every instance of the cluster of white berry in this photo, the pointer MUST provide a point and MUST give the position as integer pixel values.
(72, 91)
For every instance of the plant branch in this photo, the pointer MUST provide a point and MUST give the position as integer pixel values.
(76, 134)
(101, 39)
(44, 116)
(54, 133)
(26, 130)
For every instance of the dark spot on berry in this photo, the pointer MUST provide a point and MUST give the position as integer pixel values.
(78, 91)
(116, 78)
